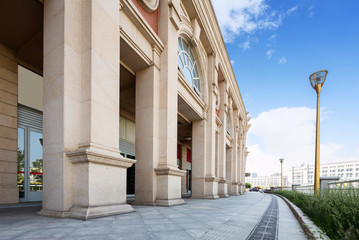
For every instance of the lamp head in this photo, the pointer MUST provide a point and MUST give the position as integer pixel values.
(317, 79)
(281, 160)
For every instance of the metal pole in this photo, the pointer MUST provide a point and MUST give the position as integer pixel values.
(281, 176)
(317, 146)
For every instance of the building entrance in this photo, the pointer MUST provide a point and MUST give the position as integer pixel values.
(29, 155)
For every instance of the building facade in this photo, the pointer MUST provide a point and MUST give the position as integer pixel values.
(103, 98)
(304, 174)
(267, 181)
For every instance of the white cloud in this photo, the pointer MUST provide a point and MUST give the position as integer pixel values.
(246, 16)
(288, 133)
(271, 38)
(291, 10)
(282, 129)
(233, 62)
(282, 60)
(245, 45)
(270, 53)
(311, 10)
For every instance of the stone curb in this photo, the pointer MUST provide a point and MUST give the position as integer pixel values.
(309, 228)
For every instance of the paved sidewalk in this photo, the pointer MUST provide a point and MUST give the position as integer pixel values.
(226, 218)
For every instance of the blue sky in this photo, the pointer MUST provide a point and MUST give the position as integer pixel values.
(274, 47)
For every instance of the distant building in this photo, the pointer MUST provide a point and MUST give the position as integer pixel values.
(267, 181)
(304, 174)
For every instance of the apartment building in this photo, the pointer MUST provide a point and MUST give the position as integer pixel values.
(304, 174)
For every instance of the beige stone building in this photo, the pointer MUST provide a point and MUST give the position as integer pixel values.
(103, 98)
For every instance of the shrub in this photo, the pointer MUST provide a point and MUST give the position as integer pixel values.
(336, 212)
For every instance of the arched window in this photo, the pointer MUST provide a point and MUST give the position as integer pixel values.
(187, 65)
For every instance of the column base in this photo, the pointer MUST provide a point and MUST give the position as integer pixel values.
(211, 187)
(234, 189)
(52, 213)
(168, 186)
(223, 188)
(169, 202)
(211, 197)
(223, 195)
(99, 211)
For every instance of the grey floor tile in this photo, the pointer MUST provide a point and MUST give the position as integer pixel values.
(172, 235)
(163, 227)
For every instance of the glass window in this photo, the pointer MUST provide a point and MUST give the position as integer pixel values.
(188, 65)
(21, 161)
(35, 162)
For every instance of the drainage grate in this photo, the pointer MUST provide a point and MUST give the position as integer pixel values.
(267, 227)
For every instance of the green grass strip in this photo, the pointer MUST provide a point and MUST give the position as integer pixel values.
(336, 212)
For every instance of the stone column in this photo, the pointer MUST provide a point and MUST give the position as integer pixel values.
(9, 190)
(84, 173)
(211, 181)
(147, 134)
(241, 168)
(229, 149)
(234, 168)
(198, 158)
(223, 182)
(245, 155)
(168, 174)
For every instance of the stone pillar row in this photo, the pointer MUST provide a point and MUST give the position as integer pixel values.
(84, 172)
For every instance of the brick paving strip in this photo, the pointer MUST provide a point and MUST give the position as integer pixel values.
(267, 227)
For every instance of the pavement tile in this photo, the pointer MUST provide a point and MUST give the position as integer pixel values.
(135, 236)
(91, 231)
(129, 229)
(172, 235)
(224, 218)
(87, 237)
(163, 227)
(10, 233)
(45, 233)
(128, 222)
(157, 221)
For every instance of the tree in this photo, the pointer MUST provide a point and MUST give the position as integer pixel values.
(20, 165)
(248, 185)
(37, 167)
(37, 164)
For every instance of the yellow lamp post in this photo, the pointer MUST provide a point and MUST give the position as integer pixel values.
(317, 80)
(281, 173)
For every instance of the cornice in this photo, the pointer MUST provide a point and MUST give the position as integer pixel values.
(210, 25)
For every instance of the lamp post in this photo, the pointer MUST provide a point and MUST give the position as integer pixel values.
(281, 173)
(317, 80)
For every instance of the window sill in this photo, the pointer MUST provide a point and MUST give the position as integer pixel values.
(190, 90)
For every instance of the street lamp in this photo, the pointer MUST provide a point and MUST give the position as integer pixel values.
(281, 173)
(317, 80)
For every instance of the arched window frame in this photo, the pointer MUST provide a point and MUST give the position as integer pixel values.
(187, 65)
